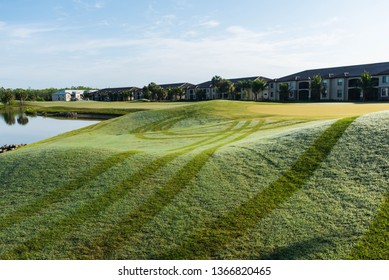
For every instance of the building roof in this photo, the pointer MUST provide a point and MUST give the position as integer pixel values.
(69, 91)
(176, 85)
(236, 80)
(117, 90)
(340, 72)
(208, 84)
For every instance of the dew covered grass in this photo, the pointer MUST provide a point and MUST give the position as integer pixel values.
(212, 180)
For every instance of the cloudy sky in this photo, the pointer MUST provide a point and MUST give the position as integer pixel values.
(113, 43)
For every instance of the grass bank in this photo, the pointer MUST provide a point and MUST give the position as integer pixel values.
(211, 180)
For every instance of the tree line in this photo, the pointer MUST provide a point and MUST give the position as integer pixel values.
(8, 95)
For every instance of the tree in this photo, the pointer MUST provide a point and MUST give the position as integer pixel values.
(157, 92)
(146, 92)
(7, 96)
(153, 90)
(201, 94)
(216, 81)
(180, 92)
(175, 92)
(245, 86)
(226, 86)
(284, 91)
(127, 95)
(365, 84)
(317, 87)
(258, 86)
(171, 93)
(87, 95)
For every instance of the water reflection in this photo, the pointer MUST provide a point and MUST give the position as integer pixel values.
(18, 127)
(11, 116)
(22, 119)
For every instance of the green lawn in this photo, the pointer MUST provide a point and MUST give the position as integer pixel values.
(211, 180)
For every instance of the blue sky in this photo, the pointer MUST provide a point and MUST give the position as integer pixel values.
(112, 43)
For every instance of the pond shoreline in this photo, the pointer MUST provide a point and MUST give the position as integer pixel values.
(76, 115)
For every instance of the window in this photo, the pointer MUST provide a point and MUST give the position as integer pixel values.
(385, 79)
(339, 93)
(291, 94)
(340, 82)
(384, 92)
(271, 94)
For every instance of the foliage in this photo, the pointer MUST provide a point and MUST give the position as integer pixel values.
(316, 87)
(175, 93)
(245, 85)
(6, 96)
(365, 84)
(37, 94)
(157, 92)
(284, 91)
(146, 92)
(226, 86)
(258, 86)
(201, 94)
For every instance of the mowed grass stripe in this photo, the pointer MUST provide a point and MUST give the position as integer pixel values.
(156, 126)
(374, 243)
(134, 221)
(61, 192)
(46, 236)
(203, 141)
(27, 249)
(209, 240)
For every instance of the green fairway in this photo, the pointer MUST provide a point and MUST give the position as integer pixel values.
(210, 180)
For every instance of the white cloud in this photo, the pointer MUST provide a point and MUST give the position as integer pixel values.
(209, 23)
(88, 5)
(28, 31)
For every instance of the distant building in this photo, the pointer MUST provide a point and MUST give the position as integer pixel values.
(118, 94)
(208, 91)
(340, 83)
(70, 95)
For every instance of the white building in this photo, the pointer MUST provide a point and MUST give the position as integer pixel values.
(69, 95)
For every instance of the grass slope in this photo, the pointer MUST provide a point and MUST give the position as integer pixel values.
(208, 180)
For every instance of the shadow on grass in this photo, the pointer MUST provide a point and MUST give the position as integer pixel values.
(215, 234)
(299, 251)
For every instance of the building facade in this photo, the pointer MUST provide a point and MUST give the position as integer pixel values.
(339, 84)
(69, 95)
(206, 91)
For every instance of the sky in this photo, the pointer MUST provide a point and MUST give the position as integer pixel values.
(117, 43)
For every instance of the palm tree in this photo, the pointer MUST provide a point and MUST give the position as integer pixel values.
(284, 91)
(365, 84)
(226, 86)
(21, 94)
(216, 81)
(180, 92)
(246, 86)
(258, 86)
(316, 87)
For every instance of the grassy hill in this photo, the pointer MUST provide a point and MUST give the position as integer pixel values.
(211, 180)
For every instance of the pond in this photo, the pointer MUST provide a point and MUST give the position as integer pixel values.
(18, 128)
